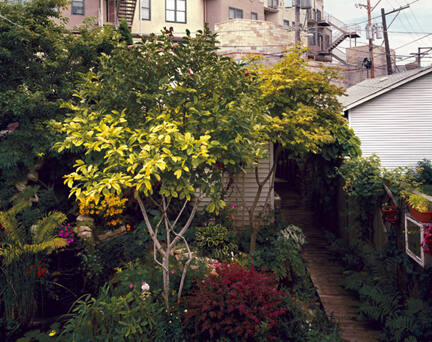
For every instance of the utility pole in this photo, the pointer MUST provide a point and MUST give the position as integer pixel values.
(371, 55)
(297, 23)
(386, 39)
(386, 42)
(420, 54)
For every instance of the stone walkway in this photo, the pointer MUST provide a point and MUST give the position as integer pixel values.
(326, 275)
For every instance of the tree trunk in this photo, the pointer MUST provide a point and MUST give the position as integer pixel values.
(271, 175)
(166, 281)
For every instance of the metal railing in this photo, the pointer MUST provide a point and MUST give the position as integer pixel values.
(340, 25)
(339, 54)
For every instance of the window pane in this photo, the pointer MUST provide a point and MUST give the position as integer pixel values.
(78, 7)
(254, 16)
(181, 17)
(239, 14)
(231, 13)
(146, 3)
(170, 15)
(145, 14)
(181, 5)
(170, 5)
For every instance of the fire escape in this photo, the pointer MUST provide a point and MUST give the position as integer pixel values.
(126, 10)
(326, 33)
(340, 32)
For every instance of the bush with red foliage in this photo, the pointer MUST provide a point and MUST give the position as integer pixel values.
(235, 303)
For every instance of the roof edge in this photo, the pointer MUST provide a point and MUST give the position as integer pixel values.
(382, 91)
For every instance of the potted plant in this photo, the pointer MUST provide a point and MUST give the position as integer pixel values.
(419, 207)
(390, 213)
(388, 209)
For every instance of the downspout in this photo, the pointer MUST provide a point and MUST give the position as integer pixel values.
(101, 16)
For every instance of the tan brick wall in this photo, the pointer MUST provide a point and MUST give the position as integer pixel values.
(241, 37)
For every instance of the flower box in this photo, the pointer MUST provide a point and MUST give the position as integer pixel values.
(424, 217)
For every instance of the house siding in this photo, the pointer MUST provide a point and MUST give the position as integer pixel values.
(397, 126)
(243, 190)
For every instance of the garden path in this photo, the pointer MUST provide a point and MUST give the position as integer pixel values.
(326, 274)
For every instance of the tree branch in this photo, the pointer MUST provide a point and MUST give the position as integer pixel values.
(149, 226)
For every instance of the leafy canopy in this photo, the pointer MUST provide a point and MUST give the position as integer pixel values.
(304, 112)
(40, 63)
(163, 117)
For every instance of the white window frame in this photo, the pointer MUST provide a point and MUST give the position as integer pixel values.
(143, 9)
(418, 259)
(176, 11)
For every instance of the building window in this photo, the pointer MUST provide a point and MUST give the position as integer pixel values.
(254, 16)
(312, 37)
(235, 13)
(175, 11)
(286, 23)
(145, 10)
(293, 24)
(288, 3)
(78, 7)
(273, 3)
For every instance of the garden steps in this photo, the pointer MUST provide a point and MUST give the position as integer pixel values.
(326, 274)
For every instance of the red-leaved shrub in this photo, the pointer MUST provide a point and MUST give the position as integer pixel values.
(236, 303)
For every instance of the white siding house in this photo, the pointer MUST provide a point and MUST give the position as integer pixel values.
(392, 116)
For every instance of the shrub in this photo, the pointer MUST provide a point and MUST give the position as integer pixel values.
(128, 317)
(282, 256)
(424, 168)
(215, 241)
(235, 303)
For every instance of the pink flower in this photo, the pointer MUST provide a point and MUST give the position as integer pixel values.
(130, 285)
(172, 271)
(233, 206)
(191, 73)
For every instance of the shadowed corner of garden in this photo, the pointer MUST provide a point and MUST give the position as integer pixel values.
(326, 274)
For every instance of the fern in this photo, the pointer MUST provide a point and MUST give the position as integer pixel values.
(378, 304)
(17, 241)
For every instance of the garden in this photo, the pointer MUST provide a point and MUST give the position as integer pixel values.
(118, 161)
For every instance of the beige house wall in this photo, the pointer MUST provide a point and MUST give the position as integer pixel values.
(194, 18)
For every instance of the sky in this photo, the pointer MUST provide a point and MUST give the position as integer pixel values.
(407, 32)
